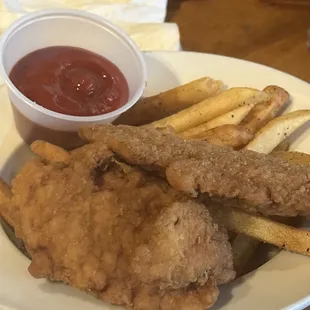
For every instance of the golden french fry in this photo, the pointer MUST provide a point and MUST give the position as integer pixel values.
(264, 112)
(212, 107)
(153, 108)
(278, 130)
(263, 229)
(238, 136)
(296, 157)
(233, 136)
(245, 247)
(233, 117)
(50, 152)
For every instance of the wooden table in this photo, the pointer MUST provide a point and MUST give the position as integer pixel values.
(247, 29)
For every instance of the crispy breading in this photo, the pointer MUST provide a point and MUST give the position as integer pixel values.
(256, 182)
(123, 235)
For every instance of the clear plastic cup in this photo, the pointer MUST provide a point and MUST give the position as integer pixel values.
(67, 28)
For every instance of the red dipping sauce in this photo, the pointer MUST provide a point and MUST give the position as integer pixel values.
(71, 80)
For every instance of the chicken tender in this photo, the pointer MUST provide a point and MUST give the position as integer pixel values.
(117, 232)
(245, 179)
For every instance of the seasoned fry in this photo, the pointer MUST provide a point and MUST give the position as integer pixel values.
(296, 157)
(251, 249)
(237, 136)
(264, 112)
(51, 153)
(278, 130)
(233, 117)
(233, 136)
(212, 107)
(253, 118)
(153, 108)
(263, 229)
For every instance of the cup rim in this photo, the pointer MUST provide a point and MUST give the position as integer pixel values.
(93, 18)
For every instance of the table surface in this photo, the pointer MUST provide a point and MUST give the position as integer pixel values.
(272, 35)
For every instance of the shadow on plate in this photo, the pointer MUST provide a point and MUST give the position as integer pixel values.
(162, 77)
(15, 162)
(226, 293)
(19, 244)
(57, 288)
(300, 135)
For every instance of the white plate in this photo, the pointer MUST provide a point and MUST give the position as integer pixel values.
(282, 283)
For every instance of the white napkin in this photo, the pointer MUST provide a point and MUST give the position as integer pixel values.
(141, 19)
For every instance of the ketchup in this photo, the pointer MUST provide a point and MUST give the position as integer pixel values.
(71, 80)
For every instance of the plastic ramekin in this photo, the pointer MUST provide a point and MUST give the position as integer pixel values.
(67, 28)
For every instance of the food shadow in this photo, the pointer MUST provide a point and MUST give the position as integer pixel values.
(12, 166)
(15, 162)
(300, 137)
(226, 292)
(159, 76)
(64, 290)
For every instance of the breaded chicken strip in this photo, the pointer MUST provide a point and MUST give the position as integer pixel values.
(249, 180)
(117, 232)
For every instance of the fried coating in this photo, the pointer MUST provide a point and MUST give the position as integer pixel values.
(50, 152)
(123, 235)
(234, 136)
(245, 179)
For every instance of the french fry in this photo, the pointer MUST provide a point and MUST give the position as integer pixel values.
(255, 119)
(212, 107)
(230, 118)
(250, 116)
(153, 108)
(233, 136)
(263, 229)
(296, 157)
(278, 130)
(264, 112)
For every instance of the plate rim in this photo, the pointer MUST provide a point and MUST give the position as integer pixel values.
(230, 58)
